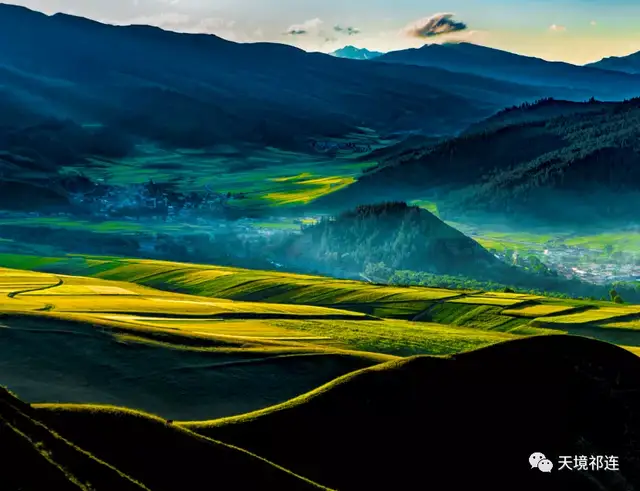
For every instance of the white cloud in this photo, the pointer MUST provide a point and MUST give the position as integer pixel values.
(348, 30)
(593, 23)
(557, 28)
(435, 25)
(307, 27)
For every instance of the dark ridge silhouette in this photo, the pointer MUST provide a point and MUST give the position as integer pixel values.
(35, 457)
(626, 64)
(192, 89)
(468, 422)
(161, 456)
(584, 81)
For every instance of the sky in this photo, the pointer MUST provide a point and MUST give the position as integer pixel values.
(576, 31)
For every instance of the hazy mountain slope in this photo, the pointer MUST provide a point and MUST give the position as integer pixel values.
(583, 167)
(195, 90)
(414, 146)
(354, 53)
(539, 111)
(626, 64)
(579, 82)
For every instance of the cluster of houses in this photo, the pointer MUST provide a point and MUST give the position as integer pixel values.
(594, 266)
(150, 200)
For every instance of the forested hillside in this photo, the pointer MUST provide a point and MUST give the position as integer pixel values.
(580, 167)
(400, 236)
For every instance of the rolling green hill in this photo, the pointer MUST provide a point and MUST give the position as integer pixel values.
(417, 320)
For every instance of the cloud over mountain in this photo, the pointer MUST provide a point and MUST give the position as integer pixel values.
(348, 30)
(435, 25)
(306, 27)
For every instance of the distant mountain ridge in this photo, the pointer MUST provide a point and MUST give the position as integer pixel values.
(121, 75)
(142, 84)
(585, 81)
(627, 64)
(354, 53)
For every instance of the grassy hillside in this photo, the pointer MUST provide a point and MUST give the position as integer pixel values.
(569, 169)
(579, 401)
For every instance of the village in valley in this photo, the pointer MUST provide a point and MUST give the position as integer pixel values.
(599, 266)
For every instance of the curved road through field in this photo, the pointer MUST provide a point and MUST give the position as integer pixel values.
(47, 306)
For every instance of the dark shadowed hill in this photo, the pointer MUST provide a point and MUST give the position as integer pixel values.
(39, 456)
(625, 64)
(469, 422)
(400, 236)
(541, 110)
(578, 82)
(582, 167)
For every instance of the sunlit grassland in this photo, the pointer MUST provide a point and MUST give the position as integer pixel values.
(627, 324)
(624, 241)
(254, 299)
(534, 311)
(488, 300)
(79, 295)
(592, 315)
(140, 306)
(392, 337)
(309, 190)
(259, 286)
(536, 242)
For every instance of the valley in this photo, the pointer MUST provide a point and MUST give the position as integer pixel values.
(243, 262)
